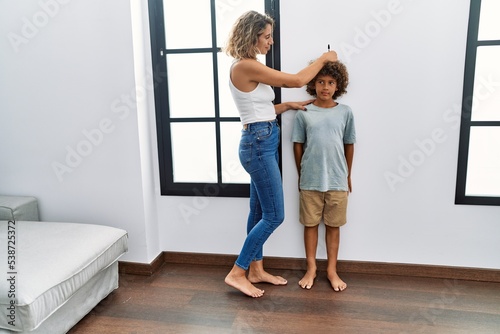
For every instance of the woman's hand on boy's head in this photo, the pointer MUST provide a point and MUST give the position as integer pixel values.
(331, 56)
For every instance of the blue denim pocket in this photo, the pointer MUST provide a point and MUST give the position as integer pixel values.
(245, 154)
(264, 132)
(245, 150)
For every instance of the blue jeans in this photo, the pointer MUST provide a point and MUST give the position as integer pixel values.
(258, 154)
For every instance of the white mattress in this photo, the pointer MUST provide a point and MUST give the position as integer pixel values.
(53, 261)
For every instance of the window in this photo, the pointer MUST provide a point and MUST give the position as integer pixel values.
(198, 126)
(478, 176)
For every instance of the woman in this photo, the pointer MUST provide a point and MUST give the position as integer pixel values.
(250, 83)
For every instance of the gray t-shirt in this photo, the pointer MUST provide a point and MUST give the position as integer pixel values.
(324, 131)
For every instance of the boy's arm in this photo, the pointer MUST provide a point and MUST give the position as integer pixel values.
(298, 151)
(349, 154)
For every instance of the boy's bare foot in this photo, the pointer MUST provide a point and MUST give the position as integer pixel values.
(243, 284)
(308, 280)
(336, 282)
(265, 277)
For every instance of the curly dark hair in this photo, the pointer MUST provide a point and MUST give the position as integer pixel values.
(338, 71)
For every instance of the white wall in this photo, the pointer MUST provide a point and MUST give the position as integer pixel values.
(86, 62)
(406, 62)
(69, 128)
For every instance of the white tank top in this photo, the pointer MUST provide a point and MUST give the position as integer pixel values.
(254, 106)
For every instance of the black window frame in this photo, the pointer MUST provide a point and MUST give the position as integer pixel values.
(466, 123)
(163, 119)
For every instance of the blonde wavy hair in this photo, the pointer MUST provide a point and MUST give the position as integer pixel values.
(242, 42)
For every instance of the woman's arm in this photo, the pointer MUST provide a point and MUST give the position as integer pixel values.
(282, 107)
(247, 73)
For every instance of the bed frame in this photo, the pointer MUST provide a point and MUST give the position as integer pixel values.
(54, 273)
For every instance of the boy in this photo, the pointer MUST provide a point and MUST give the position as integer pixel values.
(324, 138)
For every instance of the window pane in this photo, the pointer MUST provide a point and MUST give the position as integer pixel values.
(483, 168)
(232, 171)
(193, 152)
(486, 100)
(226, 102)
(489, 26)
(187, 24)
(227, 11)
(191, 85)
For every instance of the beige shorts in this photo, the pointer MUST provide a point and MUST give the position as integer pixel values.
(330, 205)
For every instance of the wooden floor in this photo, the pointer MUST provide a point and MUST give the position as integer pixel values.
(183, 298)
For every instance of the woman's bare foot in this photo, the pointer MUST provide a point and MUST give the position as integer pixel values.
(336, 282)
(308, 280)
(265, 277)
(243, 284)
(257, 274)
